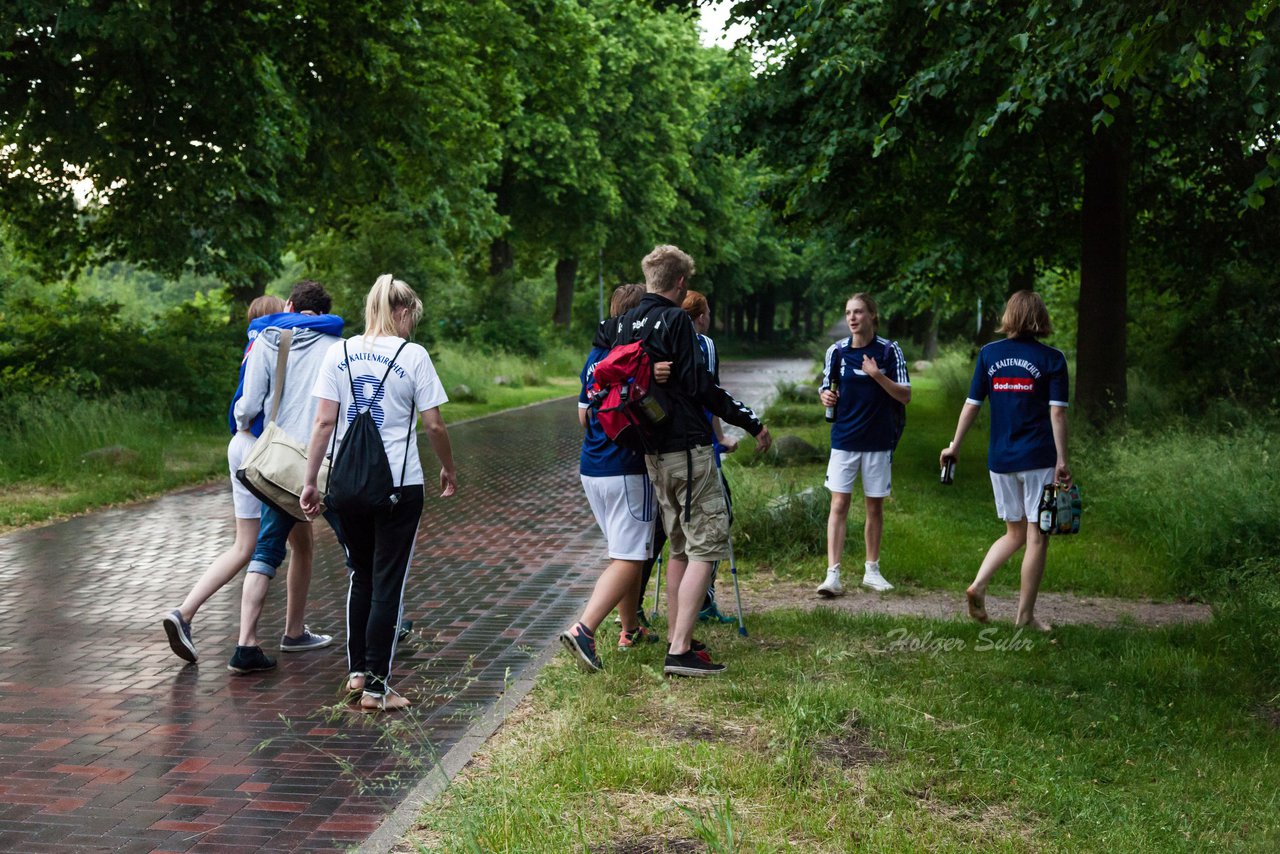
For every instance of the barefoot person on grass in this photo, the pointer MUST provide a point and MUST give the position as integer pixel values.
(864, 379)
(1027, 384)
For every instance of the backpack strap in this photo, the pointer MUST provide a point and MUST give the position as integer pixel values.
(282, 371)
(385, 374)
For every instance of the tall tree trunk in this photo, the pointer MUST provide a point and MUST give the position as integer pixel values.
(1101, 389)
(797, 312)
(566, 274)
(501, 255)
(931, 336)
(767, 314)
(739, 319)
(986, 326)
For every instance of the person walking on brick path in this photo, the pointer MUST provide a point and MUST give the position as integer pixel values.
(864, 378)
(1027, 383)
(621, 498)
(380, 544)
(683, 470)
(695, 305)
(264, 312)
(306, 355)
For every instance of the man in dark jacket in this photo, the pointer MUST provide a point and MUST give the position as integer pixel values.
(682, 466)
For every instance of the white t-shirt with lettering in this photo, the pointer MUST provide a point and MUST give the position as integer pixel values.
(412, 386)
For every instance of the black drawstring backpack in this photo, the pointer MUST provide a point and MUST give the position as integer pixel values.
(360, 478)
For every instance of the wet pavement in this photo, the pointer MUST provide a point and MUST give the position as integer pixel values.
(110, 742)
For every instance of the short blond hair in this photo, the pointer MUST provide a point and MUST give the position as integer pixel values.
(1025, 314)
(625, 297)
(664, 267)
(387, 296)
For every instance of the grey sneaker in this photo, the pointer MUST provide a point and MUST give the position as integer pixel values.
(305, 641)
(179, 632)
(250, 659)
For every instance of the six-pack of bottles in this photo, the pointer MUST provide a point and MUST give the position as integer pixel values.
(1059, 509)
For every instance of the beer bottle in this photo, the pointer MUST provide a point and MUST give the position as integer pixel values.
(1048, 507)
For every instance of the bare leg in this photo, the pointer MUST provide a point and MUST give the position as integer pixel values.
(1001, 550)
(690, 591)
(617, 586)
(298, 580)
(224, 568)
(836, 523)
(252, 599)
(676, 565)
(874, 528)
(1032, 571)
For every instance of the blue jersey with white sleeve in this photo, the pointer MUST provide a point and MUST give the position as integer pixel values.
(865, 415)
(1023, 378)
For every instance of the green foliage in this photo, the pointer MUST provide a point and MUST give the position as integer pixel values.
(86, 347)
(213, 136)
(1208, 503)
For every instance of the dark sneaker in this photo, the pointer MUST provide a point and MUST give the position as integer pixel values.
(250, 659)
(179, 632)
(582, 646)
(635, 637)
(642, 618)
(305, 641)
(406, 629)
(691, 664)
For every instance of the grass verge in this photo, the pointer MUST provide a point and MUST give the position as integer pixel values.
(836, 732)
(839, 733)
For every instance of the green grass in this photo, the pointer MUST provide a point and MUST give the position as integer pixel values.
(833, 732)
(824, 737)
(935, 536)
(49, 468)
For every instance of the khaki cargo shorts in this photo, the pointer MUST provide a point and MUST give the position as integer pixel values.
(705, 536)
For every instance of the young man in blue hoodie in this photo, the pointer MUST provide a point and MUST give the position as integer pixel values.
(311, 340)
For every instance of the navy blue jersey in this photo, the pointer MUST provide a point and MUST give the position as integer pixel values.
(1023, 378)
(865, 416)
(601, 457)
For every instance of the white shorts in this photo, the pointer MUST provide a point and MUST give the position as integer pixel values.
(842, 471)
(624, 508)
(1018, 493)
(246, 503)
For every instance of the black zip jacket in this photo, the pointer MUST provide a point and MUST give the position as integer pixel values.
(669, 336)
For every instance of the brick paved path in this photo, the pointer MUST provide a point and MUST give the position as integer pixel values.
(110, 742)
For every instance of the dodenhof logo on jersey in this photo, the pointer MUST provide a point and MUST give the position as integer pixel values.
(1016, 384)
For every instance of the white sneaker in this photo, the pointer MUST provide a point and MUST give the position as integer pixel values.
(873, 579)
(831, 587)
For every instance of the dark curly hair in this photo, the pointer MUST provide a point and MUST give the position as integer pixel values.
(310, 295)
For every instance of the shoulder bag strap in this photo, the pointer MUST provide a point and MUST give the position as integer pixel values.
(282, 370)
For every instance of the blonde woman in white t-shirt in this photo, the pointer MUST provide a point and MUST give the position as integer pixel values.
(381, 373)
